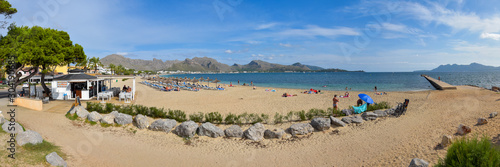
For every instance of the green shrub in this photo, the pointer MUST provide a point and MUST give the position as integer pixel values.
(336, 112)
(213, 117)
(71, 116)
(178, 115)
(244, 116)
(254, 118)
(278, 118)
(231, 118)
(140, 109)
(301, 115)
(265, 118)
(313, 113)
(105, 125)
(378, 106)
(196, 117)
(471, 152)
(157, 112)
(127, 110)
(108, 108)
(117, 107)
(289, 116)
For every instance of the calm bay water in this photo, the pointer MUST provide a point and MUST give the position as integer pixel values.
(358, 81)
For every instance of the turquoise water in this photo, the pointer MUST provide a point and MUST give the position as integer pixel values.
(357, 81)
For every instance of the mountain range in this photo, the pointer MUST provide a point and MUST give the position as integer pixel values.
(205, 64)
(473, 67)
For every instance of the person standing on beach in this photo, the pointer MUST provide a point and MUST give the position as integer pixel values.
(335, 102)
(251, 83)
(375, 89)
(439, 78)
(238, 82)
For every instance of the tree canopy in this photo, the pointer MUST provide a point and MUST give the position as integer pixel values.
(7, 10)
(38, 47)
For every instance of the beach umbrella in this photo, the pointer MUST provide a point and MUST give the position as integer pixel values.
(194, 80)
(208, 81)
(366, 98)
(216, 81)
(201, 79)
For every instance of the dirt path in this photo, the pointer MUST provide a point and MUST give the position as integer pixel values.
(384, 142)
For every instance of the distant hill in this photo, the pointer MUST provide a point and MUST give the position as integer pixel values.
(205, 64)
(473, 67)
(138, 64)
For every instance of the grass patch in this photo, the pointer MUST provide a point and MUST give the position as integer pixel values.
(378, 106)
(471, 152)
(71, 116)
(31, 155)
(2, 131)
(105, 125)
(90, 122)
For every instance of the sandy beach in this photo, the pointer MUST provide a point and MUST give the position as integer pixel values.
(386, 141)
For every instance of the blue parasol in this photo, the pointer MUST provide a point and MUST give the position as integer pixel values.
(366, 98)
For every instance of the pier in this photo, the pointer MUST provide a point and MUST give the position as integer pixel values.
(439, 85)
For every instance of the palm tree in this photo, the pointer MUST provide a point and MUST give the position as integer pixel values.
(112, 67)
(94, 63)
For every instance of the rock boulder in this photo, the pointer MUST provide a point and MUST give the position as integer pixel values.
(141, 121)
(94, 116)
(300, 129)
(369, 116)
(81, 112)
(165, 125)
(16, 128)
(482, 121)
(446, 140)
(274, 134)
(108, 119)
(380, 113)
(186, 129)
(234, 131)
(321, 124)
(55, 160)
(493, 114)
(29, 136)
(462, 129)
(337, 122)
(415, 162)
(255, 132)
(123, 119)
(210, 130)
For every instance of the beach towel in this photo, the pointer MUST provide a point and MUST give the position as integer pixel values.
(360, 109)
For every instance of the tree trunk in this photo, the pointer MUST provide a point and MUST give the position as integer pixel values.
(17, 79)
(42, 81)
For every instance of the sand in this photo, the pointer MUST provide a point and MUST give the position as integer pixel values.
(385, 142)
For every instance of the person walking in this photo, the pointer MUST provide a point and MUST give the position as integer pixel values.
(238, 82)
(335, 102)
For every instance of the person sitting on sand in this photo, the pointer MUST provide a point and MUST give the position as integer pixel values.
(346, 94)
(360, 102)
(230, 84)
(254, 87)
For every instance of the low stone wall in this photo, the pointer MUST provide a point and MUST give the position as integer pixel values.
(33, 104)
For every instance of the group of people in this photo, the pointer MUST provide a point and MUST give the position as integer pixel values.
(312, 91)
(126, 88)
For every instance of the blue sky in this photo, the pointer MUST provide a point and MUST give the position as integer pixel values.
(355, 35)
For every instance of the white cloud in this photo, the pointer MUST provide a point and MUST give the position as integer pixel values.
(228, 51)
(314, 31)
(490, 35)
(266, 26)
(286, 45)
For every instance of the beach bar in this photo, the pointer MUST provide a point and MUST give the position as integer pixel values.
(75, 84)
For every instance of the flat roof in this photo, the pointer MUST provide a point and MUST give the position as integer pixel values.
(115, 76)
(76, 77)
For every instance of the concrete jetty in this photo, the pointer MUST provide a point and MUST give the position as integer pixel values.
(439, 85)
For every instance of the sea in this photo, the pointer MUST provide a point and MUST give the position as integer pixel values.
(355, 81)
